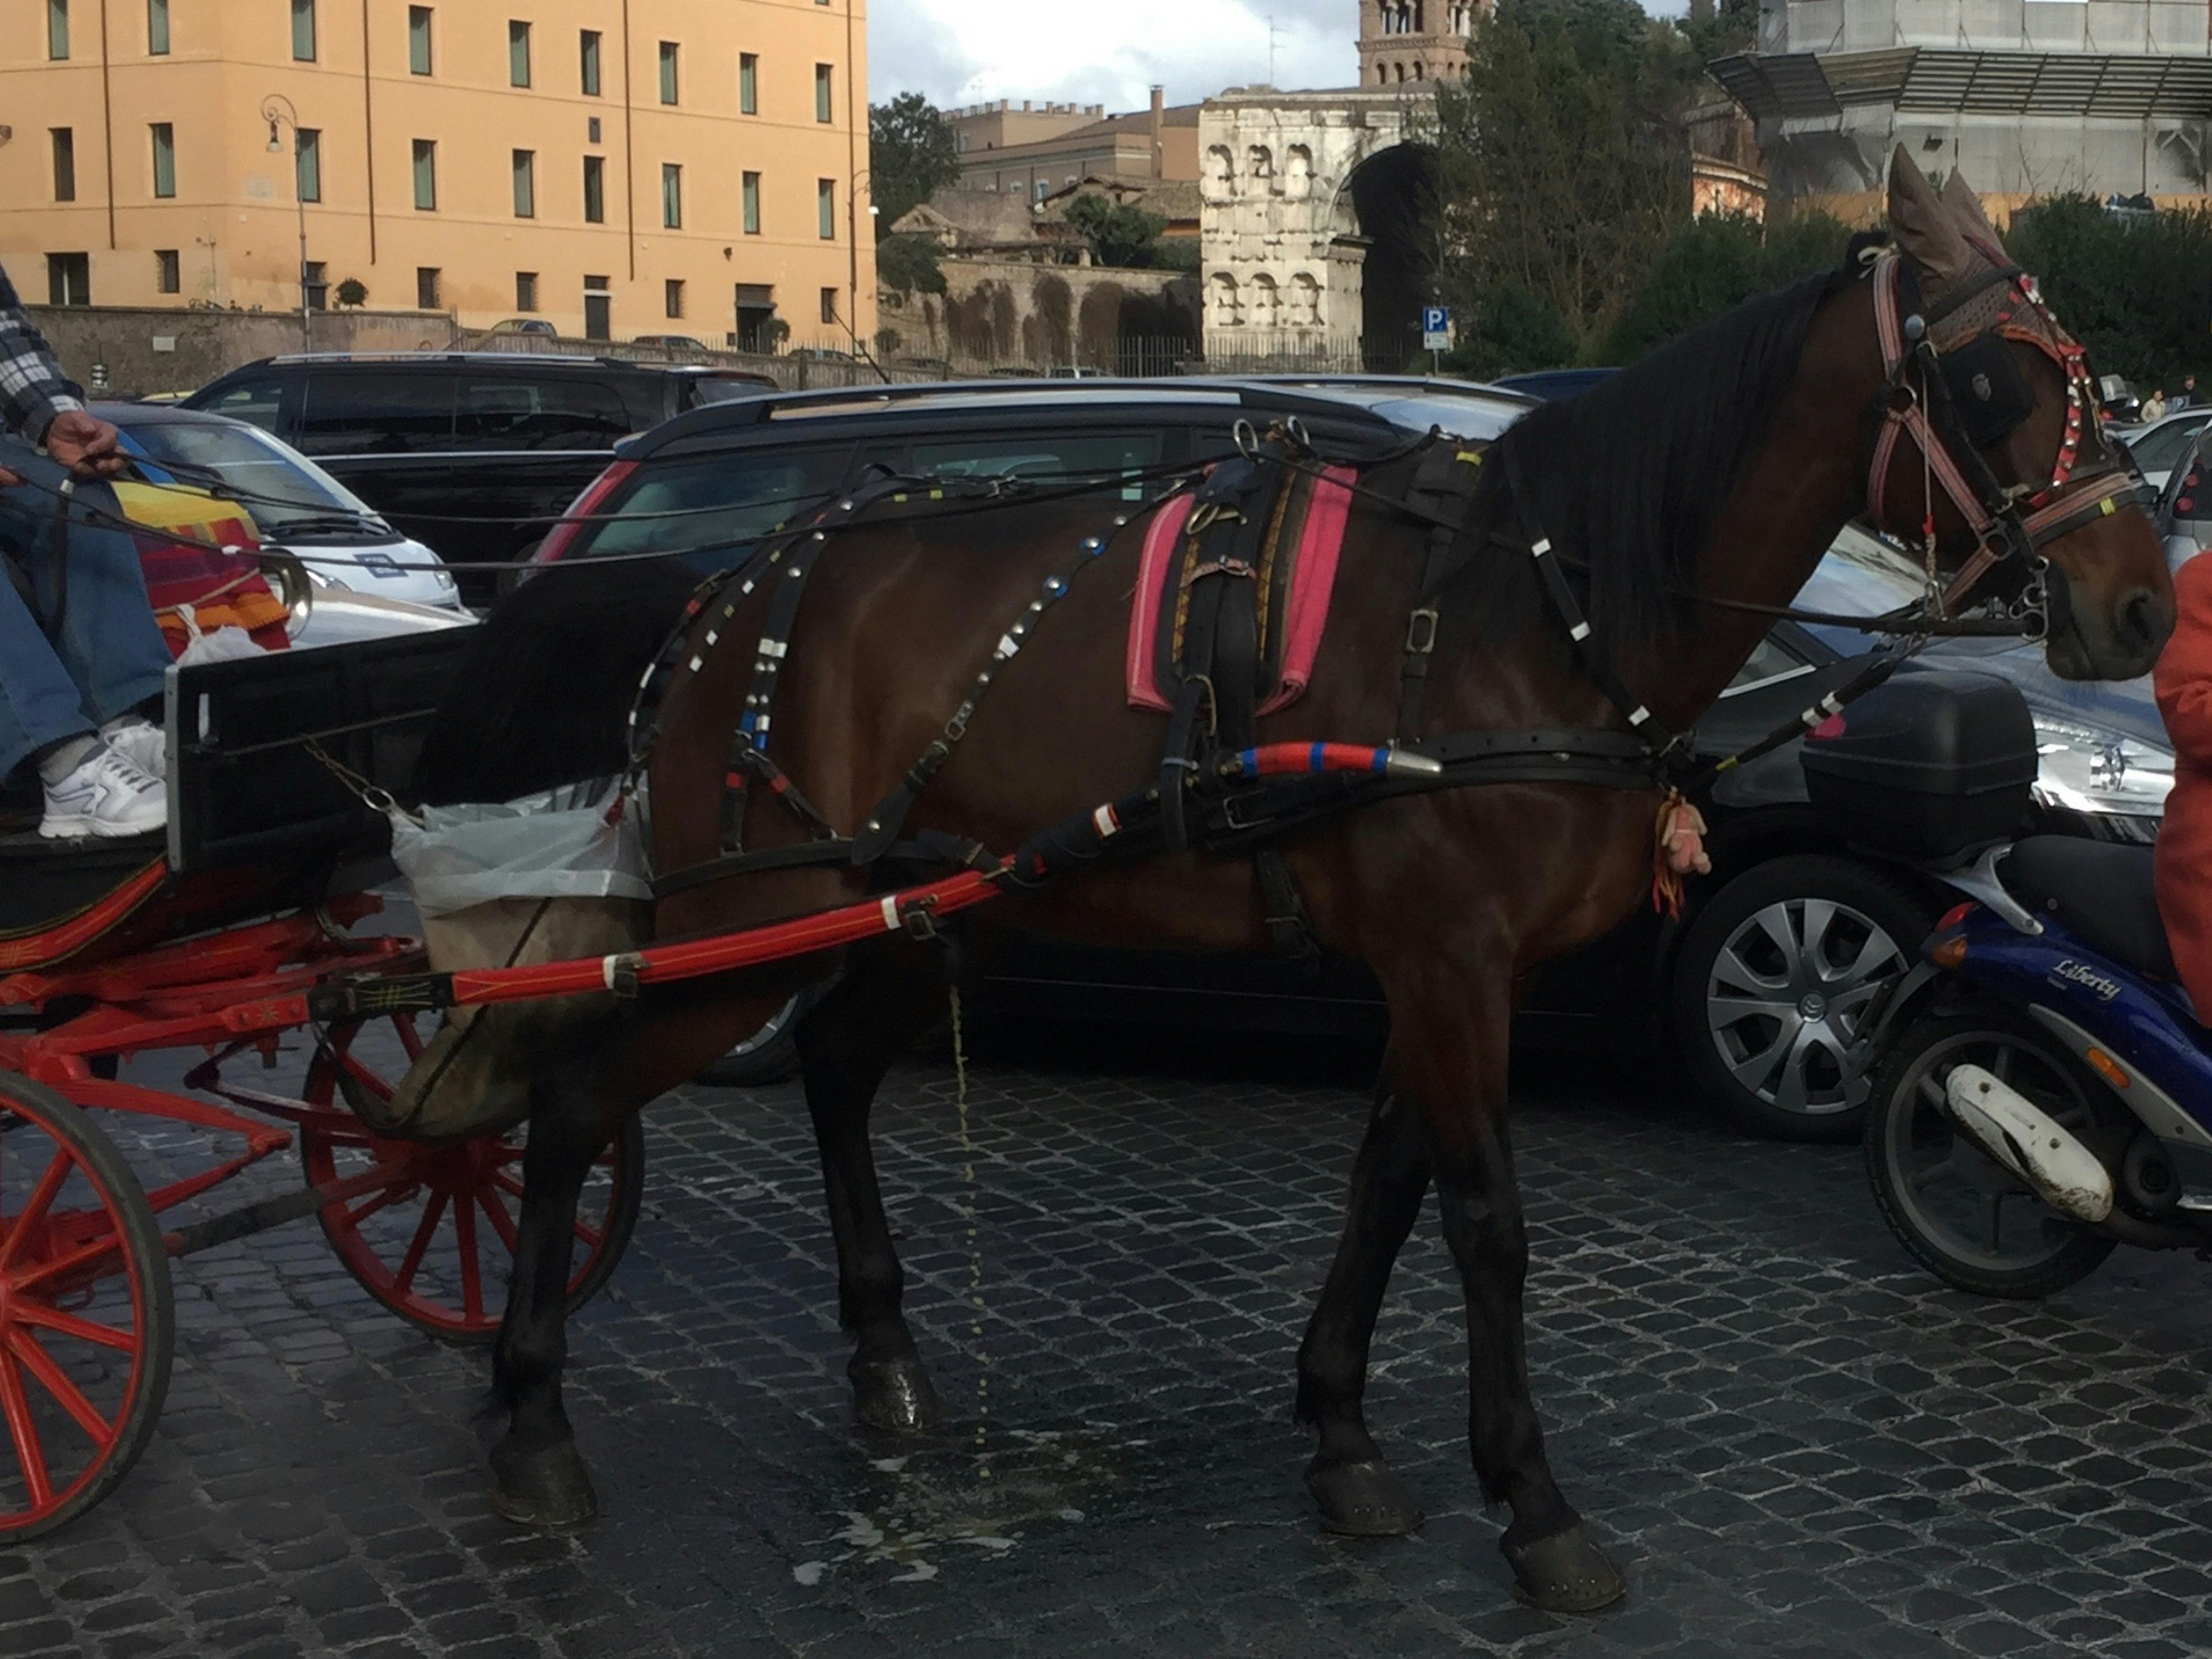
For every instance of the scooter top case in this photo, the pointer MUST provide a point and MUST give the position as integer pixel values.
(2096, 975)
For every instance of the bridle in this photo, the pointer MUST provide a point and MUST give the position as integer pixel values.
(1952, 389)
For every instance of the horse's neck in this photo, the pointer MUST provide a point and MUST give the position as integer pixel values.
(1799, 488)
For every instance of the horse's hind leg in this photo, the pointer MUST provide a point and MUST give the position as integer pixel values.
(1357, 1491)
(888, 997)
(1448, 1048)
(538, 1477)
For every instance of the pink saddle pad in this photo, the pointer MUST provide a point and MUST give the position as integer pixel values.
(1313, 580)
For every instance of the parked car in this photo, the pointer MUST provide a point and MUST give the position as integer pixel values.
(1790, 900)
(294, 502)
(672, 342)
(472, 454)
(1546, 383)
(2156, 448)
(537, 326)
(2184, 514)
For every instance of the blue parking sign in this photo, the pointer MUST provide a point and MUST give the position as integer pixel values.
(1436, 328)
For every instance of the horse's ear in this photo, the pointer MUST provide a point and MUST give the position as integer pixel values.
(1966, 206)
(1926, 232)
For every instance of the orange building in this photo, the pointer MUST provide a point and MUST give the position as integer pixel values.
(616, 167)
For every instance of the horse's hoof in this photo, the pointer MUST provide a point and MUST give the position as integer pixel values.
(549, 1488)
(1565, 1573)
(1363, 1500)
(895, 1395)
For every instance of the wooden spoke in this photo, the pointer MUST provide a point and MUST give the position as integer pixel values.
(66, 1324)
(25, 1433)
(40, 1364)
(465, 1229)
(590, 1235)
(507, 1183)
(40, 1200)
(501, 1223)
(424, 1231)
(375, 1201)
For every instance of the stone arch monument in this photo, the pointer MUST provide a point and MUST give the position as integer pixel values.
(1298, 189)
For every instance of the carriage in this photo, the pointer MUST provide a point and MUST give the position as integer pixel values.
(204, 947)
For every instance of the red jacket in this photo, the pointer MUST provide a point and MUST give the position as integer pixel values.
(2183, 680)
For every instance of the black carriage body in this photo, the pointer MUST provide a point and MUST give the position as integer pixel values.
(1928, 769)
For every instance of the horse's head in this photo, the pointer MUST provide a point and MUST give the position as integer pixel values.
(1992, 448)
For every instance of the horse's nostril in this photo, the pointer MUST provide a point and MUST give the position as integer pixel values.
(2141, 620)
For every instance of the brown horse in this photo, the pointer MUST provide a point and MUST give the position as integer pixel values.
(1719, 468)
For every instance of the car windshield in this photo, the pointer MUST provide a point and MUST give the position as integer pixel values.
(710, 507)
(1468, 414)
(286, 493)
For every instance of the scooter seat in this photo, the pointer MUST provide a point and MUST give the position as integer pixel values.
(2099, 891)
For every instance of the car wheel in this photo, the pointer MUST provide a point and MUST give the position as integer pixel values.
(1772, 980)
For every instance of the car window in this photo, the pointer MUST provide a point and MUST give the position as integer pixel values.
(377, 413)
(2158, 449)
(258, 401)
(712, 506)
(283, 492)
(1043, 459)
(1770, 661)
(1861, 575)
(1463, 417)
(508, 412)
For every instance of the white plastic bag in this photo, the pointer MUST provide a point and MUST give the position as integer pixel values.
(558, 845)
(225, 644)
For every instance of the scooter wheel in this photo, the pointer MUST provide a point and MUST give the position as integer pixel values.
(1969, 1221)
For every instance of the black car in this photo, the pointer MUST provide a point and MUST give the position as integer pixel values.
(1758, 985)
(472, 453)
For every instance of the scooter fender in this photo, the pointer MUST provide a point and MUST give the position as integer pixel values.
(2023, 1138)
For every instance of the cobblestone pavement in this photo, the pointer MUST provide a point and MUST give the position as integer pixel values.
(1798, 1443)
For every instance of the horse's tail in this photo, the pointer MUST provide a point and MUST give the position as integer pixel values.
(543, 697)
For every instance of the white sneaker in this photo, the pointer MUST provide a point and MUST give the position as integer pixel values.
(139, 742)
(107, 795)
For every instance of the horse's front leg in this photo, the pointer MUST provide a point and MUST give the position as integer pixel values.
(538, 1477)
(890, 994)
(1357, 1491)
(1448, 1033)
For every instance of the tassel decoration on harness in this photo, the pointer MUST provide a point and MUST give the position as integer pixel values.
(1678, 849)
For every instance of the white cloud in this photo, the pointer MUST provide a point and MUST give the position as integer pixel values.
(963, 51)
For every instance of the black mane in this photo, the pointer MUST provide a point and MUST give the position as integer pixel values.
(1628, 476)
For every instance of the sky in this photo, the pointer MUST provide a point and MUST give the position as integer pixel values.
(1110, 53)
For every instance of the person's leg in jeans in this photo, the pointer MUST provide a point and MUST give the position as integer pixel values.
(39, 704)
(109, 642)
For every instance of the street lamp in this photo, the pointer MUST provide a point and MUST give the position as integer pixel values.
(279, 112)
(853, 255)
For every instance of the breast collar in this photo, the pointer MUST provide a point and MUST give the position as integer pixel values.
(1917, 407)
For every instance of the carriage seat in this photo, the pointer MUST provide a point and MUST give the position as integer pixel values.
(2099, 891)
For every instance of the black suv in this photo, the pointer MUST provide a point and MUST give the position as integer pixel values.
(505, 437)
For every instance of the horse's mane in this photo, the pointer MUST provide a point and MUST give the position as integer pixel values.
(1628, 476)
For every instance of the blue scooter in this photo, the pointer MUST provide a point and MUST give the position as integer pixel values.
(2049, 1095)
(2041, 1087)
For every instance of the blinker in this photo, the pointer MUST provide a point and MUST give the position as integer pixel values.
(1988, 389)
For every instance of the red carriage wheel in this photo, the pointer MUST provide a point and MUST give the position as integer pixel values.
(87, 1325)
(435, 1242)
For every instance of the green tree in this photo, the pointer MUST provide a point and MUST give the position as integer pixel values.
(907, 263)
(1562, 164)
(353, 291)
(1514, 331)
(1715, 263)
(2136, 288)
(911, 154)
(1120, 232)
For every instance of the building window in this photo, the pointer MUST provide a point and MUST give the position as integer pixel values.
(426, 288)
(672, 196)
(750, 197)
(418, 39)
(157, 42)
(672, 295)
(57, 48)
(315, 285)
(592, 130)
(525, 290)
(829, 305)
(587, 65)
(308, 169)
(303, 31)
(822, 107)
(749, 83)
(69, 279)
(168, 271)
(599, 309)
(595, 190)
(65, 163)
(165, 159)
(668, 87)
(525, 184)
(426, 175)
(518, 53)
(826, 208)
